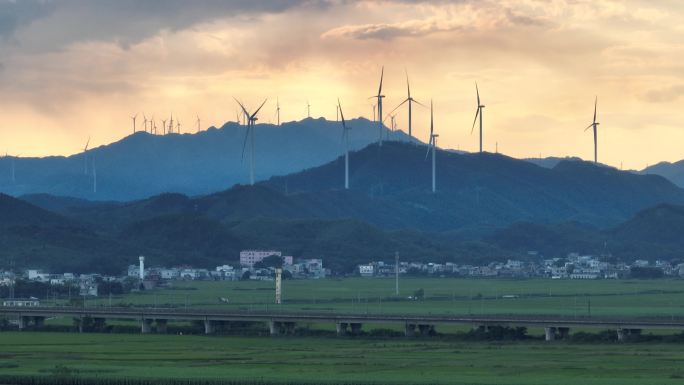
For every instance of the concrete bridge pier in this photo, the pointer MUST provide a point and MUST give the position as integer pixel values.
(563, 332)
(549, 333)
(426, 330)
(161, 326)
(209, 326)
(39, 322)
(23, 322)
(625, 334)
(145, 326)
(410, 330)
(355, 328)
(341, 328)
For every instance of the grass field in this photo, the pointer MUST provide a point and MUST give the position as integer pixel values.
(620, 298)
(323, 360)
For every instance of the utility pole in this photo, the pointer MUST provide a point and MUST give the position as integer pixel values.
(396, 273)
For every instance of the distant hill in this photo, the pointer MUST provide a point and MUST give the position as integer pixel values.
(142, 165)
(672, 171)
(390, 188)
(656, 231)
(487, 207)
(175, 230)
(552, 161)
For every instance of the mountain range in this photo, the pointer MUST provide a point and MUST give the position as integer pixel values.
(142, 165)
(487, 206)
(672, 171)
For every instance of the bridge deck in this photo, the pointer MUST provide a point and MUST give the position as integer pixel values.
(214, 315)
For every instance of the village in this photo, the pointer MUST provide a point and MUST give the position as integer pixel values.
(260, 265)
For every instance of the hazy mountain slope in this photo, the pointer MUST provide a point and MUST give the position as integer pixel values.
(672, 171)
(390, 188)
(143, 165)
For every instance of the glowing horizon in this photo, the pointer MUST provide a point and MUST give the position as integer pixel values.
(75, 69)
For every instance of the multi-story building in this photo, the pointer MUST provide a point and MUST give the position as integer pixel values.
(250, 257)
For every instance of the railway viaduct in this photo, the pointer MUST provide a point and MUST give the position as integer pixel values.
(284, 323)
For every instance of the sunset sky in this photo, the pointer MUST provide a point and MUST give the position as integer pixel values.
(73, 69)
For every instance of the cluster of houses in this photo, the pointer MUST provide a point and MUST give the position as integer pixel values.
(574, 266)
(86, 284)
(248, 268)
(141, 277)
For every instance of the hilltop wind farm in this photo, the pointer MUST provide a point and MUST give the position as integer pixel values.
(299, 192)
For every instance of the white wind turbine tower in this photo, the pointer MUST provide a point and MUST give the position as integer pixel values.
(345, 140)
(308, 109)
(410, 101)
(379, 96)
(594, 124)
(163, 126)
(278, 111)
(133, 117)
(178, 126)
(480, 106)
(85, 157)
(145, 122)
(198, 123)
(432, 147)
(170, 130)
(250, 135)
(94, 178)
(12, 166)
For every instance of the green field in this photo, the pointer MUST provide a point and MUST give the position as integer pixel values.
(617, 298)
(323, 360)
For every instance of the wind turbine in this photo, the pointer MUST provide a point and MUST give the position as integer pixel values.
(145, 122)
(12, 166)
(594, 124)
(85, 157)
(178, 126)
(432, 147)
(278, 110)
(133, 117)
(308, 109)
(163, 126)
(250, 135)
(94, 178)
(379, 96)
(171, 124)
(480, 106)
(345, 140)
(410, 101)
(198, 123)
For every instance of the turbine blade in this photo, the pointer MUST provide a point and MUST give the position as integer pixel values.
(431, 122)
(419, 103)
(589, 126)
(408, 86)
(382, 73)
(244, 145)
(477, 90)
(595, 103)
(257, 111)
(475, 120)
(397, 107)
(241, 106)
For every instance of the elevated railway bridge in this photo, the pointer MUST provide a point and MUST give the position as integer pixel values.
(284, 322)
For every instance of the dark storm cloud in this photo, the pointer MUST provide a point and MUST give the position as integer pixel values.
(39, 25)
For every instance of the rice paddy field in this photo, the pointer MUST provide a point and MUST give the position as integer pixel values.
(615, 298)
(335, 360)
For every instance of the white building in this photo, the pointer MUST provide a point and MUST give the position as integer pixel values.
(250, 257)
(366, 270)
